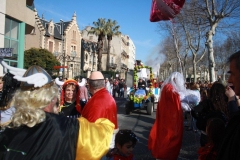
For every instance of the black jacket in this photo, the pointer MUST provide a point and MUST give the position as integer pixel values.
(205, 111)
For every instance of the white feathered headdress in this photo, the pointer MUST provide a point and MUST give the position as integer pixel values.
(32, 78)
(60, 83)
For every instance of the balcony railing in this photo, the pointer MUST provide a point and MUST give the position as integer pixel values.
(124, 66)
(124, 54)
(113, 65)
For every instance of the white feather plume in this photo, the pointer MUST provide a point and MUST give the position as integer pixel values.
(38, 79)
(15, 71)
(60, 83)
(82, 83)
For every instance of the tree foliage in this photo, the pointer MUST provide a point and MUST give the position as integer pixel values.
(42, 58)
(99, 30)
(195, 28)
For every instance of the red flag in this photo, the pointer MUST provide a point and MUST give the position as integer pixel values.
(165, 9)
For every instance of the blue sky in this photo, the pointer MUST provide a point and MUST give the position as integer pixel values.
(132, 16)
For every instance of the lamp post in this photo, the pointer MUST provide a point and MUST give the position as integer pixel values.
(63, 57)
(63, 52)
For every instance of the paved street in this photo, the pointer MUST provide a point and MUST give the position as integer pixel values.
(141, 123)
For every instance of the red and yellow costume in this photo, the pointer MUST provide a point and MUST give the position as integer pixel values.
(58, 137)
(101, 105)
(166, 134)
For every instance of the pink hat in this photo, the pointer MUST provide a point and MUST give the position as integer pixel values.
(96, 75)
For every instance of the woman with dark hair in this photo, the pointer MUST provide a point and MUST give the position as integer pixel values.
(192, 120)
(215, 131)
(8, 86)
(215, 106)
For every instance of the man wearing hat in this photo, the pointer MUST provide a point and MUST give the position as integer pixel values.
(101, 104)
(141, 84)
(35, 132)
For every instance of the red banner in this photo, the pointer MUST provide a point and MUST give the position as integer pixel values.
(58, 67)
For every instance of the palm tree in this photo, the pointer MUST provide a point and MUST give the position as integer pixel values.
(99, 30)
(112, 30)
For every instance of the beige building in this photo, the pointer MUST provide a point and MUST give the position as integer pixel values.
(89, 56)
(17, 18)
(132, 55)
(63, 39)
(119, 53)
(88, 52)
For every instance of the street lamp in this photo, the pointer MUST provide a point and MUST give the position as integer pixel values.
(63, 57)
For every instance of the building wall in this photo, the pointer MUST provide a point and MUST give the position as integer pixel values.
(19, 10)
(19, 22)
(132, 55)
(73, 44)
(2, 21)
(2, 27)
(119, 44)
(57, 44)
(89, 57)
(33, 39)
(115, 52)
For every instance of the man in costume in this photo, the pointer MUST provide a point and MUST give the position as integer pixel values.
(101, 104)
(165, 138)
(141, 84)
(36, 133)
(229, 148)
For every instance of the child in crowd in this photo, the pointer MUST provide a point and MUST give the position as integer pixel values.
(215, 130)
(125, 141)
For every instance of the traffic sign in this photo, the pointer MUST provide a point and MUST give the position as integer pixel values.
(6, 52)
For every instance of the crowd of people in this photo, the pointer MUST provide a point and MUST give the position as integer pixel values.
(214, 112)
(54, 119)
(116, 87)
(43, 118)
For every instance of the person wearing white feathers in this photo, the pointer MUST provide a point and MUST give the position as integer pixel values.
(35, 132)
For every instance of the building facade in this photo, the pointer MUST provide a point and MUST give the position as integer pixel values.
(121, 47)
(14, 24)
(132, 55)
(88, 52)
(63, 39)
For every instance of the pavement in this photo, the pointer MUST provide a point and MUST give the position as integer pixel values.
(190, 145)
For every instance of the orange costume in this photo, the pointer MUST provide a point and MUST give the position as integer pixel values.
(165, 138)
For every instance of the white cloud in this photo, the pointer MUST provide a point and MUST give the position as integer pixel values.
(146, 43)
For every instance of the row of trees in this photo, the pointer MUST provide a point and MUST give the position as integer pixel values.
(189, 37)
(101, 29)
